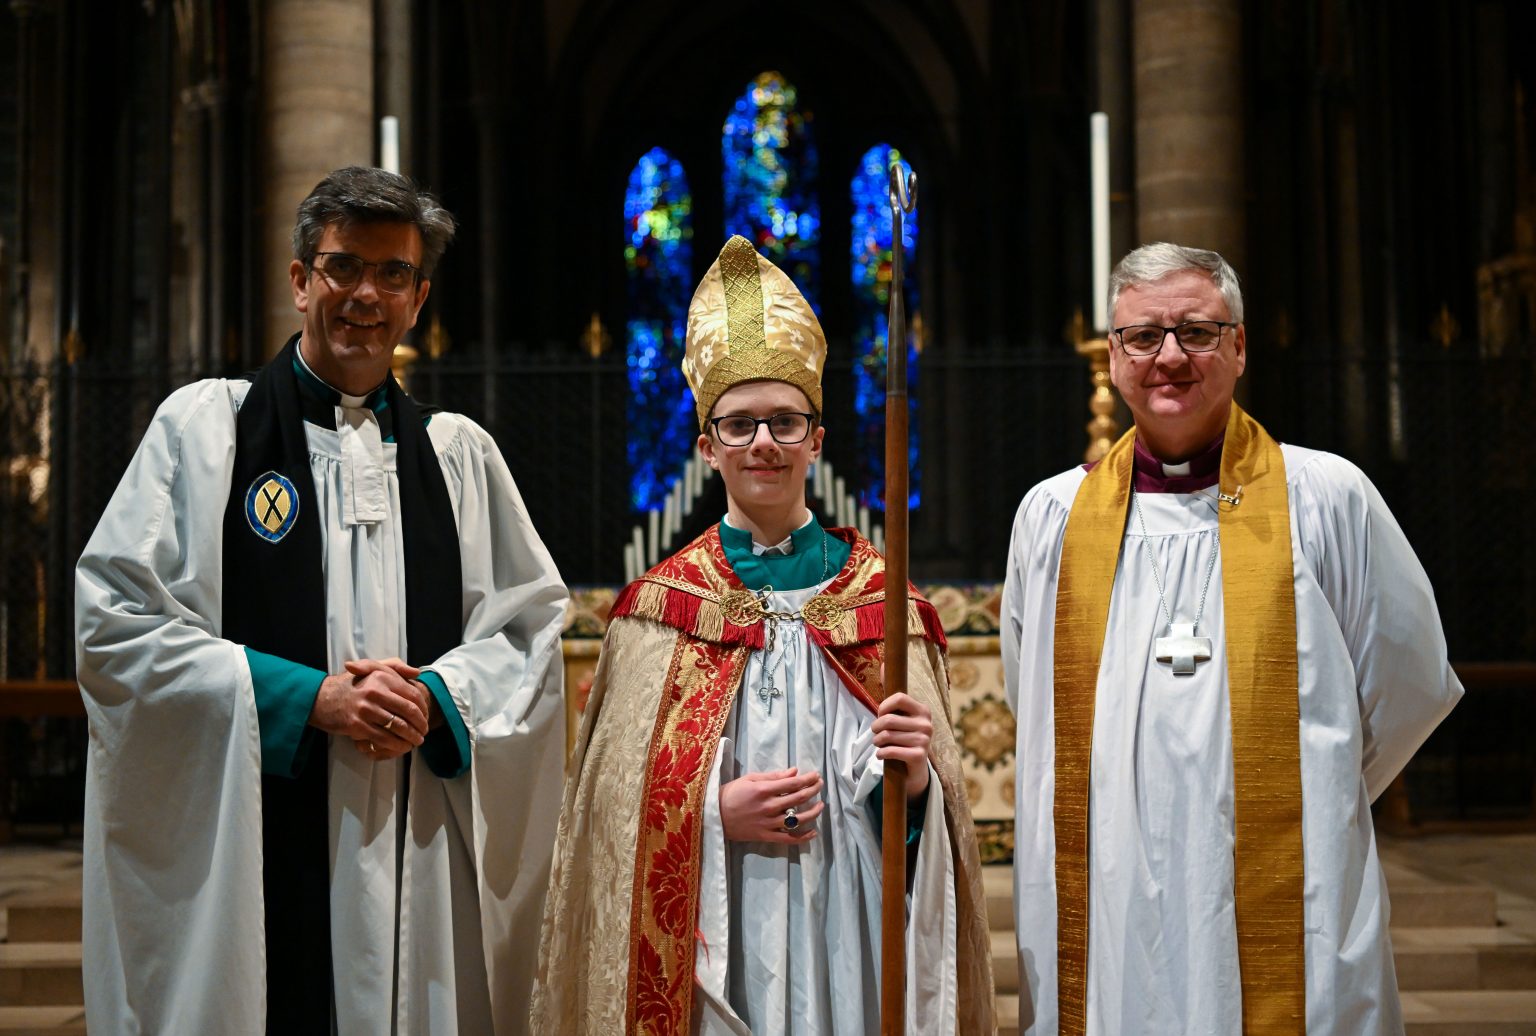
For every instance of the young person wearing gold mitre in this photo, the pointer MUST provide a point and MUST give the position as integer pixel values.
(718, 860)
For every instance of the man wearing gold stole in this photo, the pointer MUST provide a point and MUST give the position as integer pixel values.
(717, 868)
(1219, 650)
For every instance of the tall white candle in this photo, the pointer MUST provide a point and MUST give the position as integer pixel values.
(629, 563)
(652, 537)
(1098, 137)
(389, 143)
(864, 521)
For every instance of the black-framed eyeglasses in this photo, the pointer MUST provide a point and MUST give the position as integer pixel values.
(739, 429)
(344, 270)
(1193, 336)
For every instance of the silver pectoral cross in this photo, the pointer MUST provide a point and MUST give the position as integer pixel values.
(1183, 648)
(767, 692)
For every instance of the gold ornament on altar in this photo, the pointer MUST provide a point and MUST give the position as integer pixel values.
(595, 340)
(748, 322)
(985, 731)
(1445, 329)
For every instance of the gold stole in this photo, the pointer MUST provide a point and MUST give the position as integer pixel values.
(1260, 619)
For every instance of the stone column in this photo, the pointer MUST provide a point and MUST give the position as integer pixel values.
(317, 82)
(1189, 124)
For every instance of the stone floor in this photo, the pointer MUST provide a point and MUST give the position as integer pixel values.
(1426, 873)
(32, 868)
(1505, 863)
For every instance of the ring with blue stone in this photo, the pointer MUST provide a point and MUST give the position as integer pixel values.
(790, 820)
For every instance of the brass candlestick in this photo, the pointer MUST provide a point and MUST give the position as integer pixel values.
(1102, 427)
(400, 364)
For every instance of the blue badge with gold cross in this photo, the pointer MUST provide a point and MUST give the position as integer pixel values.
(271, 506)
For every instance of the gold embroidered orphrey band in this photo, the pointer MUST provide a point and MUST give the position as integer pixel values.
(1259, 606)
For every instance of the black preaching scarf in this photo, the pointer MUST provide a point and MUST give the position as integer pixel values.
(274, 601)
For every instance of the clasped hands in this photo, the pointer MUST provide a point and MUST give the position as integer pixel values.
(752, 806)
(380, 705)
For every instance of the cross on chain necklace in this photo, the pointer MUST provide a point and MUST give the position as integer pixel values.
(1178, 645)
(766, 692)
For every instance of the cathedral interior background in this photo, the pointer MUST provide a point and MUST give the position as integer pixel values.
(1368, 171)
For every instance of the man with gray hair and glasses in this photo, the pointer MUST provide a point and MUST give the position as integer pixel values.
(1219, 650)
(318, 640)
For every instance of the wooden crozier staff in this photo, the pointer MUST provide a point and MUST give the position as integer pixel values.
(893, 892)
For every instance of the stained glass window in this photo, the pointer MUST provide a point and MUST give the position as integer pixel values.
(658, 256)
(769, 153)
(872, 254)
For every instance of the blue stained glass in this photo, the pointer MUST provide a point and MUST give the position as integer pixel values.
(769, 153)
(872, 256)
(658, 258)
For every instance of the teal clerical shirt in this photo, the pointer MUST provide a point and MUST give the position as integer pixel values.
(809, 557)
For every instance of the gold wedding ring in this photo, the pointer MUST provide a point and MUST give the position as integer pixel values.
(391, 724)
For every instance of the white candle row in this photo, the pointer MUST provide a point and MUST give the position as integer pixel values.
(634, 555)
(656, 532)
(650, 538)
(822, 482)
(631, 564)
(839, 505)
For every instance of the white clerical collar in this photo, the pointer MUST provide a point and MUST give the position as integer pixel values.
(346, 399)
(1175, 470)
(784, 546)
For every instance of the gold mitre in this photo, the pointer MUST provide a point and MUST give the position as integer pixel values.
(748, 322)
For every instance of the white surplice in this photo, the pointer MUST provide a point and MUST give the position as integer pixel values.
(791, 934)
(435, 895)
(1374, 681)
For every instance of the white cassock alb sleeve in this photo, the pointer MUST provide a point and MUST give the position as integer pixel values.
(1028, 643)
(172, 903)
(507, 681)
(1385, 608)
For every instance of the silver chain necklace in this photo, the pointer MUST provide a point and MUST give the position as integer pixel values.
(767, 692)
(1178, 646)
